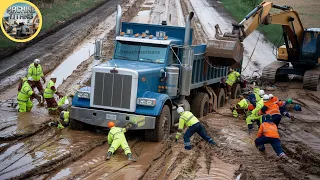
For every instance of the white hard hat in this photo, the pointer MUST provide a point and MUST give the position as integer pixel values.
(30, 78)
(36, 61)
(261, 92)
(266, 97)
(180, 110)
(53, 76)
(270, 95)
(66, 102)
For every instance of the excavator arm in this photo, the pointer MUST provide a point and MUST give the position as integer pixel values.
(227, 47)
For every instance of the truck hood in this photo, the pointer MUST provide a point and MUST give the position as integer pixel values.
(140, 67)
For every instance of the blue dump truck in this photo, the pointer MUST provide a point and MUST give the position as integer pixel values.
(154, 70)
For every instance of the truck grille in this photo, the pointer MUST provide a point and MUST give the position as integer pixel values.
(112, 90)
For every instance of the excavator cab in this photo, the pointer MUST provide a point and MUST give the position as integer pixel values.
(310, 50)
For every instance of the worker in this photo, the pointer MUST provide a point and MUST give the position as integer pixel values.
(117, 138)
(64, 118)
(188, 119)
(35, 71)
(63, 103)
(21, 82)
(24, 102)
(268, 134)
(272, 109)
(49, 94)
(231, 79)
(241, 107)
(254, 116)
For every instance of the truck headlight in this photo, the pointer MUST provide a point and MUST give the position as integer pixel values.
(146, 101)
(83, 94)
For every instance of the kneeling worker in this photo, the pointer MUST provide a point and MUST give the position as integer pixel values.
(24, 102)
(240, 107)
(117, 138)
(254, 116)
(268, 134)
(64, 117)
(188, 119)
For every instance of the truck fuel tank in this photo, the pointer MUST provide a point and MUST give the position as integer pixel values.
(225, 51)
(172, 80)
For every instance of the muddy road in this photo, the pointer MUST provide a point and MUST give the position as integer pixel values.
(29, 149)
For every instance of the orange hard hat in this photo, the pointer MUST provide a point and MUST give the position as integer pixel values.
(110, 124)
(250, 107)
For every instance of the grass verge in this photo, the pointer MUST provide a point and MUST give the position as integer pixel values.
(240, 8)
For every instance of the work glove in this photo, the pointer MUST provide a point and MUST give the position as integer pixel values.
(129, 125)
(250, 127)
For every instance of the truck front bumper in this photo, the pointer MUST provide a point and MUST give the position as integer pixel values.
(102, 117)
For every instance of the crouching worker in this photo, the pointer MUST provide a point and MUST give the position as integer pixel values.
(49, 95)
(24, 95)
(241, 107)
(64, 121)
(268, 134)
(188, 119)
(117, 138)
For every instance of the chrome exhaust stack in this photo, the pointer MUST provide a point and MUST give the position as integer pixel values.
(118, 20)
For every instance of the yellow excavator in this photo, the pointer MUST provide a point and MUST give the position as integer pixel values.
(301, 46)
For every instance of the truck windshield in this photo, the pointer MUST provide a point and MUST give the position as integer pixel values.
(309, 42)
(135, 51)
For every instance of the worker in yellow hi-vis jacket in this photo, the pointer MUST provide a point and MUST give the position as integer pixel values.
(116, 138)
(188, 119)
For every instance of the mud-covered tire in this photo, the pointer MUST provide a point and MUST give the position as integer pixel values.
(235, 91)
(76, 125)
(200, 105)
(221, 98)
(162, 127)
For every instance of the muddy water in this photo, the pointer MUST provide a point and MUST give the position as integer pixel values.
(143, 15)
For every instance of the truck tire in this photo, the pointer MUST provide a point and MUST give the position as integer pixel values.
(76, 125)
(221, 98)
(236, 91)
(162, 127)
(200, 105)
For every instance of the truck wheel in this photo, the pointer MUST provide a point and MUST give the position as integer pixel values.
(236, 91)
(76, 125)
(162, 129)
(221, 98)
(200, 105)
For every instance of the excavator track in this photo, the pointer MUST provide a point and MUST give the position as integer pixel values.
(311, 79)
(269, 72)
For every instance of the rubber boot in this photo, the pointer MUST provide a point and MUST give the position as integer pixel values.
(187, 147)
(108, 155)
(261, 148)
(130, 158)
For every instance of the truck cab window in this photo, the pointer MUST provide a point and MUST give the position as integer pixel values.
(135, 51)
(173, 56)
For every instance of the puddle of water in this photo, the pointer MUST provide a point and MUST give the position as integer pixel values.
(63, 173)
(142, 16)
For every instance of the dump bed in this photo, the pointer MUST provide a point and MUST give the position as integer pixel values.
(204, 69)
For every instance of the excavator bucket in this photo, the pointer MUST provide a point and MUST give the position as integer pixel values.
(225, 52)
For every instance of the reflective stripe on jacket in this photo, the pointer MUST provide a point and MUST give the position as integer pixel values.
(25, 92)
(48, 92)
(232, 78)
(35, 72)
(116, 133)
(268, 129)
(64, 116)
(188, 119)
